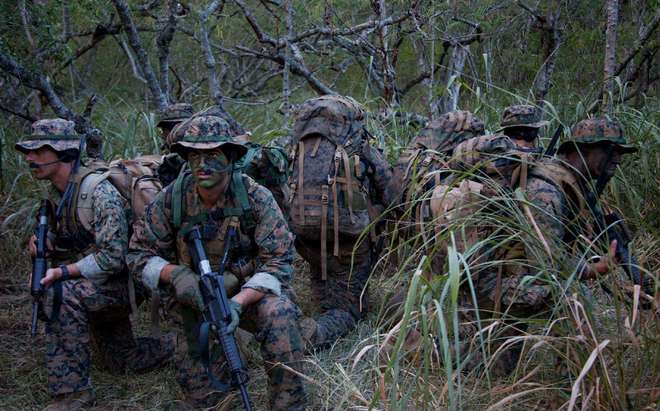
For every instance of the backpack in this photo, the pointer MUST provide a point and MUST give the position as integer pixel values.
(135, 179)
(268, 166)
(328, 175)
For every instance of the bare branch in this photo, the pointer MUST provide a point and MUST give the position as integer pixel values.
(214, 84)
(141, 54)
(639, 44)
(163, 41)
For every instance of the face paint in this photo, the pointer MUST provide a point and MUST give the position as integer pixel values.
(208, 166)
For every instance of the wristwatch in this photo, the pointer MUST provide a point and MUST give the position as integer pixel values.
(66, 275)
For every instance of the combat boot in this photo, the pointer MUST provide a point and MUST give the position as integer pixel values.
(72, 401)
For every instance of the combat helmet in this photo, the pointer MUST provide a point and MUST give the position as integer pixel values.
(449, 130)
(596, 130)
(206, 133)
(56, 133)
(521, 116)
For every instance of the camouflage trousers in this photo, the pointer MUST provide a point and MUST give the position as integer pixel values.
(274, 322)
(95, 318)
(343, 295)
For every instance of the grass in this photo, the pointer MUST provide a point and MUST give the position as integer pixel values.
(592, 350)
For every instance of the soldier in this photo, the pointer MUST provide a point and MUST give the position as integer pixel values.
(212, 195)
(89, 242)
(168, 119)
(518, 135)
(339, 187)
(171, 116)
(557, 190)
(522, 124)
(430, 150)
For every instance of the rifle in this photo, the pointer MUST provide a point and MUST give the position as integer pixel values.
(39, 263)
(552, 146)
(217, 315)
(613, 226)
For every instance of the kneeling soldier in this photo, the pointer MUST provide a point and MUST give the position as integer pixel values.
(89, 243)
(210, 197)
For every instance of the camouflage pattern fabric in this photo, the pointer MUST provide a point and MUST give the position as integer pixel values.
(429, 151)
(267, 249)
(56, 133)
(205, 133)
(597, 130)
(174, 113)
(96, 308)
(333, 116)
(521, 116)
(96, 317)
(343, 296)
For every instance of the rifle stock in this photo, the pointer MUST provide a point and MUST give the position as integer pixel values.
(217, 315)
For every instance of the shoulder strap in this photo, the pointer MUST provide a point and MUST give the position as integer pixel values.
(177, 200)
(89, 180)
(240, 194)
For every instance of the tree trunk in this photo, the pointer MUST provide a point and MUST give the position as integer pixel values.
(449, 100)
(612, 9)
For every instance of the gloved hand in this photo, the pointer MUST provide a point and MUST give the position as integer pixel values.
(236, 310)
(186, 286)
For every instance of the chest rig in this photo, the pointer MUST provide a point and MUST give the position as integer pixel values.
(214, 224)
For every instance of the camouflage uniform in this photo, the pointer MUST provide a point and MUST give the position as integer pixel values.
(428, 152)
(558, 205)
(261, 259)
(94, 307)
(342, 294)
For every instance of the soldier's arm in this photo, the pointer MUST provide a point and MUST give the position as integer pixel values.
(152, 244)
(110, 235)
(380, 173)
(273, 266)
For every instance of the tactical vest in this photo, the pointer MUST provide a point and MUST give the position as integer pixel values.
(214, 225)
(75, 232)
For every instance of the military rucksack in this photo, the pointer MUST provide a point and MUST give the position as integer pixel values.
(135, 179)
(327, 181)
(268, 166)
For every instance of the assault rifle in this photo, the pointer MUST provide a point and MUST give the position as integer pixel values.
(614, 228)
(217, 315)
(552, 145)
(39, 263)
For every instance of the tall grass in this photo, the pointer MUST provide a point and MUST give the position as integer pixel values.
(589, 349)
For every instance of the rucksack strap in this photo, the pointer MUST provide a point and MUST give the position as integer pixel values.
(301, 179)
(240, 196)
(324, 232)
(177, 200)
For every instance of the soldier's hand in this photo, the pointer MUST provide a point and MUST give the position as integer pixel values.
(186, 287)
(32, 245)
(605, 262)
(52, 275)
(235, 309)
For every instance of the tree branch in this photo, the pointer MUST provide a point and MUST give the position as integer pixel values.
(141, 54)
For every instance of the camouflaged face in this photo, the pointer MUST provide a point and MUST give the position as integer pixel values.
(522, 116)
(449, 130)
(57, 133)
(204, 133)
(175, 113)
(330, 116)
